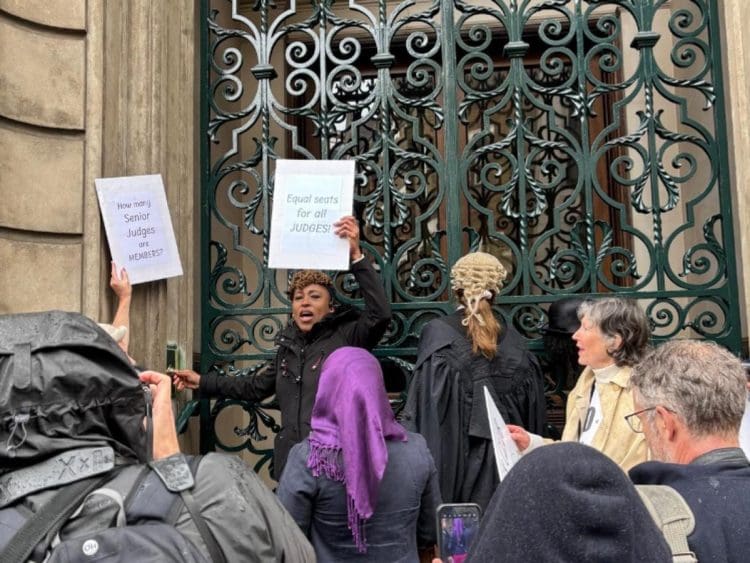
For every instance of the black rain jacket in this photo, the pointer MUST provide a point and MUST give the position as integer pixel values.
(66, 385)
(293, 375)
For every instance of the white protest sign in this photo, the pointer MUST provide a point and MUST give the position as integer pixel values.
(139, 228)
(308, 197)
(506, 452)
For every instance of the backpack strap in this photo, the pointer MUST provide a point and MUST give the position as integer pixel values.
(217, 555)
(673, 517)
(158, 492)
(52, 515)
(151, 500)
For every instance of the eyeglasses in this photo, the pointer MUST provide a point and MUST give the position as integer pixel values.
(634, 422)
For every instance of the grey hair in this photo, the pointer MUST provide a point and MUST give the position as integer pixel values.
(700, 381)
(616, 316)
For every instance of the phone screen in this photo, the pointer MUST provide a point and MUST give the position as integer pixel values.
(457, 527)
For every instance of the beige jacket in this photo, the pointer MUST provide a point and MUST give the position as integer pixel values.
(614, 438)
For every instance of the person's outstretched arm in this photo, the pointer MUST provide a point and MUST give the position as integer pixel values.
(376, 315)
(165, 441)
(120, 284)
(244, 388)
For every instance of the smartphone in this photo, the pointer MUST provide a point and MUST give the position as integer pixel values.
(457, 526)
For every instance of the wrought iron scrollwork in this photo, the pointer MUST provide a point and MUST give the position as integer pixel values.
(581, 142)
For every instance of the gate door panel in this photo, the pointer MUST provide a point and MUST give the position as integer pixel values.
(582, 143)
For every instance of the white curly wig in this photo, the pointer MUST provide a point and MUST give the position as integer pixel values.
(478, 276)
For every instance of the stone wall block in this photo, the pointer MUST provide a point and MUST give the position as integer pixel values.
(43, 270)
(67, 14)
(41, 179)
(42, 76)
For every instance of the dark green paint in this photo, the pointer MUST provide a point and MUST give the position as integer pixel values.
(592, 162)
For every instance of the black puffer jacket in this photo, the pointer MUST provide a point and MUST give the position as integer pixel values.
(295, 371)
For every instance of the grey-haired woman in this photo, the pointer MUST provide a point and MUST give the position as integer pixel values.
(613, 337)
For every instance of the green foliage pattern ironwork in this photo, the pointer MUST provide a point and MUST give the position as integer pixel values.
(583, 143)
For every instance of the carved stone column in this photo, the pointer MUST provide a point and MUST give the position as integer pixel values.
(43, 143)
(87, 90)
(736, 48)
(150, 126)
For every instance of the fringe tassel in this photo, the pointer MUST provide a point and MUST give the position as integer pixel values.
(326, 460)
(357, 526)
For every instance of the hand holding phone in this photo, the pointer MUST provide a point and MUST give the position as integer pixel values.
(457, 526)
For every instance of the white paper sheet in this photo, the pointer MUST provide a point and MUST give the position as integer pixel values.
(309, 196)
(139, 227)
(506, 451)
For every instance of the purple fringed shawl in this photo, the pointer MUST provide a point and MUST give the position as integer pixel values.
(351, 421)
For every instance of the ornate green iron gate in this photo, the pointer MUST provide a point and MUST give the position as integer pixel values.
(580, 142)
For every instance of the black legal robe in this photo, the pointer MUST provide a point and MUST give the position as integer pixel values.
(446, 403)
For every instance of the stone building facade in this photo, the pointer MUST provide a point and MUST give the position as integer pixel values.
(97, 88)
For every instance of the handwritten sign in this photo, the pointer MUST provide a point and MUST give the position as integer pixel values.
(309, 196)
(506, 452)
(139, 228)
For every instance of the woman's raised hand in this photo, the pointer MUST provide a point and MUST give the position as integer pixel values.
(347, 227)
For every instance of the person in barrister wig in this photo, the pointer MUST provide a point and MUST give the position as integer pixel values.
(458, 355)
(360, 486)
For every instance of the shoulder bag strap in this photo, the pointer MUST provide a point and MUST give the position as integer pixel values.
(217, 555)
(673, 516)
(50, 518)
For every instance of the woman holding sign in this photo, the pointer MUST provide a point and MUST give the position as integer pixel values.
(458, 356)
(613, 337)
(317, 327)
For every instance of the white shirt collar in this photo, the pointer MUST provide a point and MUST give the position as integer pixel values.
(606, 374)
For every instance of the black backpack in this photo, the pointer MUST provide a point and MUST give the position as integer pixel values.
(72, 439)
(141, 528)
(65, 384)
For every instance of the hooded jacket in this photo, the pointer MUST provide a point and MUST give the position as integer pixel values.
(568, 503)
(294, 373)
(66, 385)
